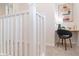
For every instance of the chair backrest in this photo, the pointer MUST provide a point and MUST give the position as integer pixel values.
(61, 32)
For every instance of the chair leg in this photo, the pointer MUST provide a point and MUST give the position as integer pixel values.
(62, 41)
(65, 44)
(70, 43)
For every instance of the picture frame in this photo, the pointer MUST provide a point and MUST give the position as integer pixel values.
(65, 10)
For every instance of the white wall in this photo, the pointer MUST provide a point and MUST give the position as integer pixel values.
(76, 14)
(2, 9)
(76, 19)
(47, 9)
(20, 7)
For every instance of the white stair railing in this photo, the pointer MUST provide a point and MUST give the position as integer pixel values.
(41, 34)
(14, 34)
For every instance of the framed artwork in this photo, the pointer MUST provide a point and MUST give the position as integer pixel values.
(65, 10)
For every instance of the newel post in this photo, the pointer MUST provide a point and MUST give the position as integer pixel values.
(32, 25)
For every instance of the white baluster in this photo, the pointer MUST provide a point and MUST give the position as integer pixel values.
(20, 23)
(39, 35)
(12, 31)
(23, 48)
(14, 39)
(26, 34)
(3, 31)
(10, 19)
(7, 35)
(42, 30)
(1, 36)
(17, 34)
(44, 35)
(4, 21)
(38, 42)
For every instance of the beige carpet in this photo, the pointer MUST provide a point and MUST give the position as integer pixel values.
(60, 51)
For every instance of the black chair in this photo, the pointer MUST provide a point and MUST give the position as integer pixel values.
(64, 34)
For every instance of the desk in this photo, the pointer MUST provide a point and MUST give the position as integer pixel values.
(76, 36)
(74, 30)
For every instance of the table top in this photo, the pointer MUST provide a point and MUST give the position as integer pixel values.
(74, 30)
